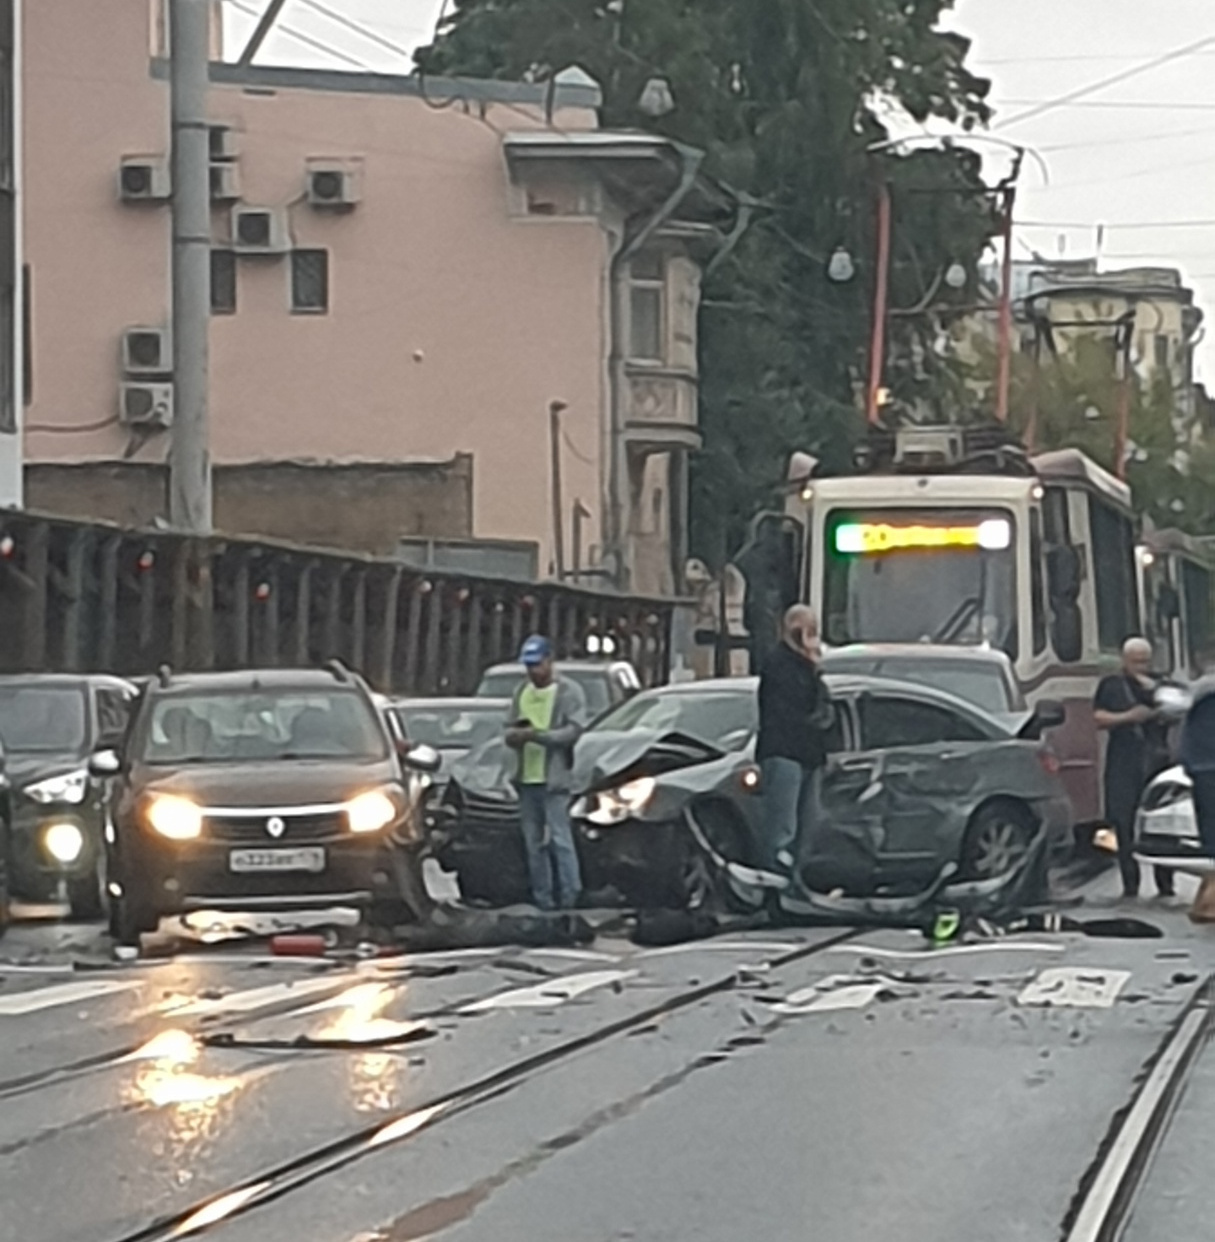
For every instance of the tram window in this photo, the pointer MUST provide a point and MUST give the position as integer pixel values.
(1196, 584)
(1036, 586)
(1114, 573)
(1058, 524)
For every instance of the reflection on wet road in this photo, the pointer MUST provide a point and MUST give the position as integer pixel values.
(732, 1088)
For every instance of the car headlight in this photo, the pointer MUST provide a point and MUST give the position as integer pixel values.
(64, 843)
(70, 788)
(174, 817)
(616, 805)
(370, 812)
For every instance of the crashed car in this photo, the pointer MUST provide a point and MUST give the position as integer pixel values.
(917, 779)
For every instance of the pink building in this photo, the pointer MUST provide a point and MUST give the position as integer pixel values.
(404, 272)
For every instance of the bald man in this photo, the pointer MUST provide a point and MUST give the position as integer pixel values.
(1125, 708)
(794, 713)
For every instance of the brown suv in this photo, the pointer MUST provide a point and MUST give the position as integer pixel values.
(260, 790)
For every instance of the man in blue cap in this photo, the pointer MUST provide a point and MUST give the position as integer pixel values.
(546, 717)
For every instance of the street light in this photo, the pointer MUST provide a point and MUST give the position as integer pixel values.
(841, 268)
(656, 99)
(955, 276)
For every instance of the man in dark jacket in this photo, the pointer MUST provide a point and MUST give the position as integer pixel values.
(794, 713)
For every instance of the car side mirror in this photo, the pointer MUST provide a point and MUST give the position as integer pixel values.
(104, 764)
(422, 758)
(1049, 714)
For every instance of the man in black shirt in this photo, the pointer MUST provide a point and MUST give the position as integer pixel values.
(1125, 707)
(794, 713)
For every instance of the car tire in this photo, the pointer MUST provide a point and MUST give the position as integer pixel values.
(84, 898)
(997, 839)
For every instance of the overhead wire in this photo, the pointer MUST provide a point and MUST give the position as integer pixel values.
(305, 40)
(1113, 79)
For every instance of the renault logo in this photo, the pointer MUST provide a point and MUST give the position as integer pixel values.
(276, 826)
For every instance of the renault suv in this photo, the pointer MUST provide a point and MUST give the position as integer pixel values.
(271, 790)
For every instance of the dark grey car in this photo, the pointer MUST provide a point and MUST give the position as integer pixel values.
(51, 724)
(916, 779)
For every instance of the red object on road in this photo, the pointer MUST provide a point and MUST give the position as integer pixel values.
(301, 944)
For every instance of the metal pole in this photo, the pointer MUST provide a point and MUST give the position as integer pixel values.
(1122, 430)
(555, 409)
(1004, 375)
(189, 456)
(877, 353)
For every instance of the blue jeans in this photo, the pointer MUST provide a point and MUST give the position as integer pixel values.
(552, 859)
(790, 792)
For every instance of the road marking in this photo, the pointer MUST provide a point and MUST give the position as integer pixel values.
(834, 992)
(22, 1003)
(722, 946)
(255, 998)
(1073, 987)
(552, 992)
(995, 946)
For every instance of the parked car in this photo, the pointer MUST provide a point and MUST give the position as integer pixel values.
(1166, 828)
(261, 790)
(452, 727)
(606, 683)
(917, 778)
(51, 724)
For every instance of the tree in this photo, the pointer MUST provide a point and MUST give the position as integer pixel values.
(786, 98)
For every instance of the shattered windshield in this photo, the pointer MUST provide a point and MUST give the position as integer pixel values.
(912, 575)
(46, 719)
(725, 718)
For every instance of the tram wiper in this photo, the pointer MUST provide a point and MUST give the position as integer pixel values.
(958, 619)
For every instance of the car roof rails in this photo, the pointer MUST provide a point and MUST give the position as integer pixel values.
(164, 675)
(338, 669)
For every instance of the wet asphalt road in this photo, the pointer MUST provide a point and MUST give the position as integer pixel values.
(711, 1092)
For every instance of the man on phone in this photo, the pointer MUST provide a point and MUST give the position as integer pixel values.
(546, 717)
(794, 715)
(1125, 708)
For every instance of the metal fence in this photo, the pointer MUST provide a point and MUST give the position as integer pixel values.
(86, 597)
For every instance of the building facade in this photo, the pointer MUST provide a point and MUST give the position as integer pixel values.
(11, 317)
(403, 272)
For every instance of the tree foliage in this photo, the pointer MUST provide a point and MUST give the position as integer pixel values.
(786, 98)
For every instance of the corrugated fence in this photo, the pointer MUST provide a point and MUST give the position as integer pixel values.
(85, 597)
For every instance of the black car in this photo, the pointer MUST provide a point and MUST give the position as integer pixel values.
(916, 779)
(262, 790)
(50, 725)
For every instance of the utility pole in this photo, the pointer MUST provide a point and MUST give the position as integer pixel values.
(189, 447)
(555, 410)
(881, 293)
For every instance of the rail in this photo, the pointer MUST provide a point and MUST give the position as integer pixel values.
(87, 597)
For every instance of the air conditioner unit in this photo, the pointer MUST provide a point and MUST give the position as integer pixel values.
(260, 230)
(147, 351)
(222, 143)
(146, 405)
(144, 179)
(334, 183)
(225, 182)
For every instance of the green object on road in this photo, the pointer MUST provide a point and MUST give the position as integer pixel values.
(946, 927)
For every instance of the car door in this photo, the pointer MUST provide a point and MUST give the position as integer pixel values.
(927, 757)
(842, 848)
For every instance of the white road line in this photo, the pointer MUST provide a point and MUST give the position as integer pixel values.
(1074, 987)
(550, 993)
(21, 1003)
(994, 946)
(255, 998)
(834, 992)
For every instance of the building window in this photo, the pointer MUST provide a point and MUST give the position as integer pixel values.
(1162, 351)
(647, 309)
(223, 282)
(310, 282)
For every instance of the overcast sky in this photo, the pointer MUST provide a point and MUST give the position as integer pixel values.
(1138, 156)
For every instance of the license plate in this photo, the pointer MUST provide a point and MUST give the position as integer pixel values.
(311, 860)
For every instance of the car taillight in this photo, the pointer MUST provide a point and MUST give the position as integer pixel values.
(1049, 761)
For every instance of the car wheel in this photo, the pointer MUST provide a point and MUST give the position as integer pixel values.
(84, 897)
(998, 839)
